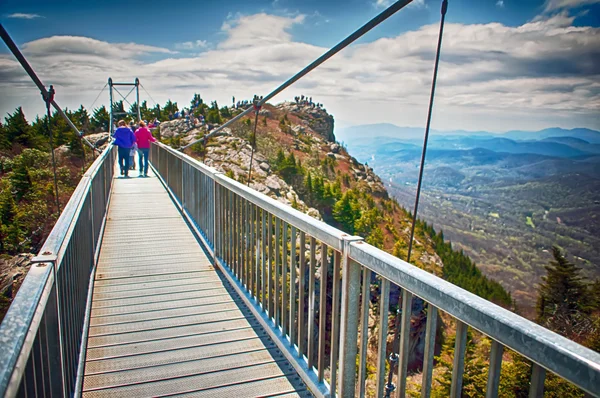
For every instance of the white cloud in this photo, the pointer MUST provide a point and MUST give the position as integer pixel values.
(492, 76)
(21, 15)
(500, 3)
(258, 30)
(553, 5)
(191, 45)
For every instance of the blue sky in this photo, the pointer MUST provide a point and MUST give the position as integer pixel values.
(239, 48)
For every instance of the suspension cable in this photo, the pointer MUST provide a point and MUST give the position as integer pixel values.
(388, 12)
(393, 357)
(125, 97)
(257, 110)
(99, 94)
(146, 91)
(19, 56)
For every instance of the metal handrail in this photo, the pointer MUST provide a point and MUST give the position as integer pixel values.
(570, 360)
(238, 225)
(32, 326)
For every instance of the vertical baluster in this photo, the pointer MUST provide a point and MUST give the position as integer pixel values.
(257, 254)
(349, 324)
(311, 302)
(364, 331)
(226, 228)
(432, 314)
(270, 264)
(238, 246)
(538, 376)
(277, 276)
(322, 312)
(234, 235)
(284, 279)
(404, 342)
(301, 297)
(247, 240)
(293, 336)
(335, 321)
(384, 304)
(253, 248)
(494, 371)
(458, 366)
(219, 225)
(263, 268)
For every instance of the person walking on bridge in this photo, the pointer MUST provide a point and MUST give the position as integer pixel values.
(143, 137)
(124, 140)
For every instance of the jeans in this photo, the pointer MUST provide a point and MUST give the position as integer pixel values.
(143, 160)
(124, 160)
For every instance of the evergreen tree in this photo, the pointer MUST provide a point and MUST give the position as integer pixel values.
(562, 294)
(18, 131)
(4, 141)
(213, 114)
(347, 210)
(100, 119)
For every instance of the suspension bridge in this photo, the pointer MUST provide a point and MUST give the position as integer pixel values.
(212, 291)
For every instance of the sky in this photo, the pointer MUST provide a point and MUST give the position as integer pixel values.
(505, 64)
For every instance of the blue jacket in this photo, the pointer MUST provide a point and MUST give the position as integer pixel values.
(124, 137)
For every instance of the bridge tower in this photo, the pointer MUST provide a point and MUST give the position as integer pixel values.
(116, 114)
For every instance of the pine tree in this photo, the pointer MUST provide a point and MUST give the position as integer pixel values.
(562, 294)
(100, 119)
(18, 131)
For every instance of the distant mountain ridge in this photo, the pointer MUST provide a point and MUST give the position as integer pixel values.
(365, 131)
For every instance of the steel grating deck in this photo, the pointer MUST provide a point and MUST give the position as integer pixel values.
(163, 321)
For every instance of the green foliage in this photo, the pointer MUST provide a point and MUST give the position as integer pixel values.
(170, 107)
(562, 293)
(27, 199)
(213, 115)
(475, 368)
(347, 211)
(287, 166)
(17, 131)
(100, 120)
(225, 112)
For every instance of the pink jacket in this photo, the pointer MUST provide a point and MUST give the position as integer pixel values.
(143, 137)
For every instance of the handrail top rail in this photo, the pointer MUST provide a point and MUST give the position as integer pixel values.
(210, 171)
(544, 347)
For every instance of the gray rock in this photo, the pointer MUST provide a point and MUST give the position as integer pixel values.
(335, 148)
(265, 166)
(272, 182)
(331, 155)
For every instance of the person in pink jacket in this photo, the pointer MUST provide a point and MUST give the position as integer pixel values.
(143, 138)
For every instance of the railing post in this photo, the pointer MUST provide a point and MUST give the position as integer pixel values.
(349, 319)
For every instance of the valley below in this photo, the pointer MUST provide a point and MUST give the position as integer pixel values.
(504, 202)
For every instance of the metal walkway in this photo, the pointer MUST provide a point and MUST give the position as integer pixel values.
(163, 320)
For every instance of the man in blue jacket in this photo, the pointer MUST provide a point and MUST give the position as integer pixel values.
(124, 140)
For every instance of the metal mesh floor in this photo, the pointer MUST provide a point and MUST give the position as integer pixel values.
(163, 321)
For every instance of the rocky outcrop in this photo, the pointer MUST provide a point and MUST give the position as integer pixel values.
(232, 156)
(314, 117)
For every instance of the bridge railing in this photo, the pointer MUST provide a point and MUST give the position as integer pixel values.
(44, 331)
(310, 286)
